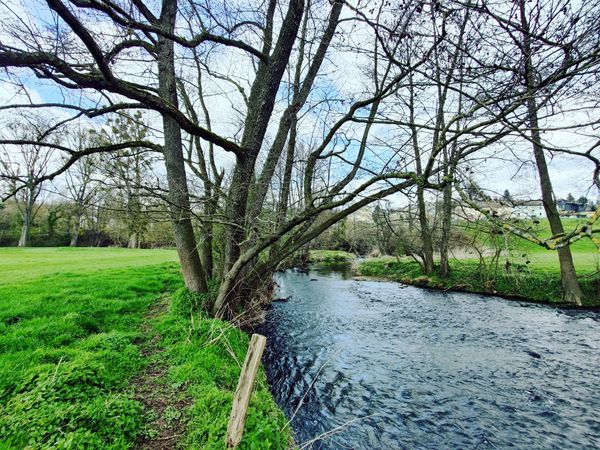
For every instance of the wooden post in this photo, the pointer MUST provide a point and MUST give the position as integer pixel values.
(244, 390)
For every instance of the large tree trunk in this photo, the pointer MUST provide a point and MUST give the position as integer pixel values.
(260, 108)
(571, 290)
(570, 286)
(179, 201)
(237, 203)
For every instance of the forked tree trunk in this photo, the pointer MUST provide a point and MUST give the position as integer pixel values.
(425, 233)
(260, 108)
(179, 201)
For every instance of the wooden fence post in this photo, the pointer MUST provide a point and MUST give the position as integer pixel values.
(244, 390)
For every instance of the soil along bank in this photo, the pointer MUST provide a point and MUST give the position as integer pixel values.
(540, 286)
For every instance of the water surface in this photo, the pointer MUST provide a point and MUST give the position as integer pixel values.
(380, 365)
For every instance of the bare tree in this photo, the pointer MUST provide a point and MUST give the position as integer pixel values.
(274, 66)
(81, 184)
(22, 164)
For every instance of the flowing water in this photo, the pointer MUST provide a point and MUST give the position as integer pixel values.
(380, 365)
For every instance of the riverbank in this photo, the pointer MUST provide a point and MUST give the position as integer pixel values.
(539, 286)
(100, 348)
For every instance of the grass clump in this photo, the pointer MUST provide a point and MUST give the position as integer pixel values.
(330, 256)
(186, 303)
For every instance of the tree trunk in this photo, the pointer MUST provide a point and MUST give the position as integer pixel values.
(206, 247)
(179, 201)
(445, 233)
(133, 240)
(236, 208)
(282, 208)
(570, 286)
(24, 238)
(75, 232)
(426, 240)
(260, 108)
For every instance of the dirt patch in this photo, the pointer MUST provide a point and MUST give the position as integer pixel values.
(164, 404)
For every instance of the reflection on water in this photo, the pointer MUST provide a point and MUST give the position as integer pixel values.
(378, 365)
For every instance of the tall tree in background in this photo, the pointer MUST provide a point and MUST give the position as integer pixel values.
(127, 173)
(81, 184)
(536, 42)
(25, 159)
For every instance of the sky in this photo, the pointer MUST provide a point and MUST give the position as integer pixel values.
(345, 77)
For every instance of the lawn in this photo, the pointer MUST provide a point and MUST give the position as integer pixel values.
(19, 264)
(85, 334)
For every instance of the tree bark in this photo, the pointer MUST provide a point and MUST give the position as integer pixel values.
(568, 276)
(75, 231)
(260, 107)
(133, 240)
(425, 232)
(426, 240)
(27, 215)
(445, 232)
(24, 238)
(570, 285)
(178, 196)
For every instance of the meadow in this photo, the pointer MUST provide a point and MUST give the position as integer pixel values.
(102, 348)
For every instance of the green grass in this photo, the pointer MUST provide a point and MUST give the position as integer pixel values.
(585, 262)
(18, 264)
(330, 256)
(70, 331)
(541, 283)
(542, 229)
(206, 355)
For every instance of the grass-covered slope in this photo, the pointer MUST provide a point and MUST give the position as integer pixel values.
(538, 282)
(70, 339)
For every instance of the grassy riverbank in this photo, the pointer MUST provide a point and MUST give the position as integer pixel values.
(95, 353)
(330, 257)
(538, 281)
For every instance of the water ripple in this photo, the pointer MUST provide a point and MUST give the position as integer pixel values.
(375, 365)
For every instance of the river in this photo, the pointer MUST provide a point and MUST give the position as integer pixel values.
(380, 365)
